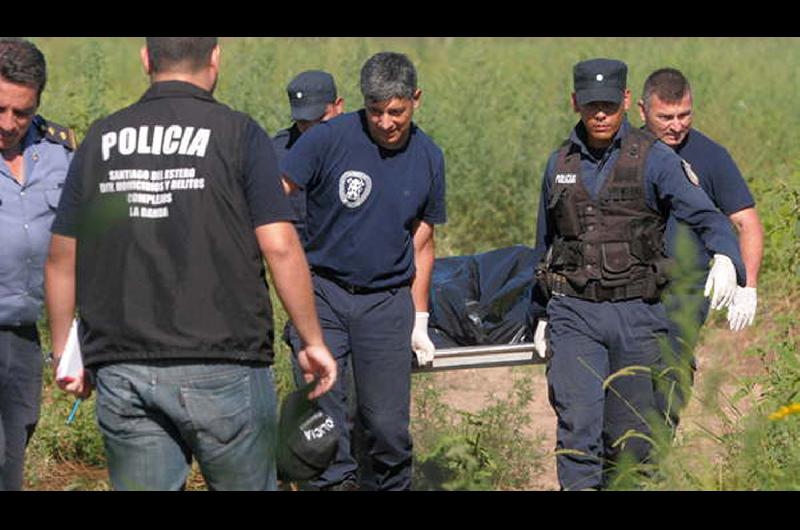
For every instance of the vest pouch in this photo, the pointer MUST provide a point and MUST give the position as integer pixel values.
(657, 280)
(617, 260)
(566, 255)
(651, 291)
(565, 215)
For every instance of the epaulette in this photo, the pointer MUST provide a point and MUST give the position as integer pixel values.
(58, 134)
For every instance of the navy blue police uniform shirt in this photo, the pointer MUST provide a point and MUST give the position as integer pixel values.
(362, 200)
(667, 190)
(283, 142)
(719, 177)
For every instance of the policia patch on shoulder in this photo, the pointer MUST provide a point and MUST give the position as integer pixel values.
(58, 134)
(690, 174)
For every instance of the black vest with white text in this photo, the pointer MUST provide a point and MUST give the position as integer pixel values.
(168, 263)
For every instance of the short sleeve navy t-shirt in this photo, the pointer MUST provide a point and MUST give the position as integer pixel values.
(719, 177)
(363, 200)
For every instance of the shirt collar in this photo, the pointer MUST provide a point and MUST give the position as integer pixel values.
(175, 89)
(35, 133)
(578, 137)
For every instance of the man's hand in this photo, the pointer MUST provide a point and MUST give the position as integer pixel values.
(742, 310)
(420, 342)
(540, 340)
(317, 362)
(722, 281)
(78, 386)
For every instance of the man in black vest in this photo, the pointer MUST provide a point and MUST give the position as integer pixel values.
(605, 199)
(166, 213)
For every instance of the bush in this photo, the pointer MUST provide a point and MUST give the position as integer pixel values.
(487, 450)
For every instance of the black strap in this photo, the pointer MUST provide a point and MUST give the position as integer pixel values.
(595, 292)
(353, 289)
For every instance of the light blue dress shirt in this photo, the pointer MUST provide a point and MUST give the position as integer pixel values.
(26, 213)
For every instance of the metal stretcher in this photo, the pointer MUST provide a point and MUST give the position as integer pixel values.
(479, 310)
(482, 357)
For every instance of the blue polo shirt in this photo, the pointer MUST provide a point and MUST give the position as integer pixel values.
(26, 212)
(667, 190)
(719, 177)
(362, 200)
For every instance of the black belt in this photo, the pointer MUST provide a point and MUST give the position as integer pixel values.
(598, 293)
(28, 331)
(354, 289)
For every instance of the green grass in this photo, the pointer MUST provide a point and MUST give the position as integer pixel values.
(498, 107)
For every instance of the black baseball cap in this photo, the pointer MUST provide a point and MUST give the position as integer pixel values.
(600, 80)
(307, 437)
(309, 93)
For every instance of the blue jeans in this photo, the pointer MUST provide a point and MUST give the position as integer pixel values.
(372, 333)
(20, 395)
(155, 415)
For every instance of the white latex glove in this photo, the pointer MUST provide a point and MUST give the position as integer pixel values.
(742, 310)
(420, 342)
(540, 339)
(722, 281)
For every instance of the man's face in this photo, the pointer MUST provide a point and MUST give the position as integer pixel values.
(18, 104)
(670, 122)
(602, 119)
(389, 121)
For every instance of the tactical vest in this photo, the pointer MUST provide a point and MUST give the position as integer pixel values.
(610, 248)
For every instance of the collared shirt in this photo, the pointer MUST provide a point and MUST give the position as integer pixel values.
(719, 177)
(668, 190)
(26, 212)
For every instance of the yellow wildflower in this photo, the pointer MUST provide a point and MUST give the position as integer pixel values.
(784, 411)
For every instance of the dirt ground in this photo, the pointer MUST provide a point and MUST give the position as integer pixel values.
(467, 390)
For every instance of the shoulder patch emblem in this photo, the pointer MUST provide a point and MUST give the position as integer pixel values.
(690, 174)
(354, 188)
(59, 134)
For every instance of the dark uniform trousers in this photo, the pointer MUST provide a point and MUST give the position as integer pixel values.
(596, 404)
(371, 330)
(20, 393)
(686, 314)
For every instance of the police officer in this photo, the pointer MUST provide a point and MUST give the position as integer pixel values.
(375, 188)
(171, 204)
(605, 198)
(313, 99)
(36, 155)
(666, 107)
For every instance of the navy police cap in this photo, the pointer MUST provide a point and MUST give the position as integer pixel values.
(600, 80)
(309, 94)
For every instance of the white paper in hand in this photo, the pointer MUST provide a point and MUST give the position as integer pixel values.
(70, 367)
